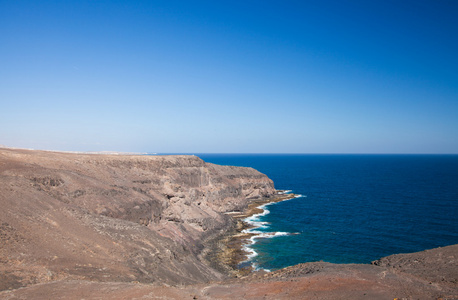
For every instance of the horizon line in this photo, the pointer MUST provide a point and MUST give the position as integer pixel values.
(225, 153)
(299, 153)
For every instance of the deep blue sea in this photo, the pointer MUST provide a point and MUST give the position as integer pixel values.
(354, 208)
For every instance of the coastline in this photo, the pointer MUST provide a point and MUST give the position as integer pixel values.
(230, 248)
(116, 218)
(100, 231)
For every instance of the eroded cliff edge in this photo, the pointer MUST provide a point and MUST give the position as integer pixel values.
(115, 217)
(93, 226)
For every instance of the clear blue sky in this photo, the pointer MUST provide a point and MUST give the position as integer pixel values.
(230, 76)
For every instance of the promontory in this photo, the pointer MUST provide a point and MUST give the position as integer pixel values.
(111, 226)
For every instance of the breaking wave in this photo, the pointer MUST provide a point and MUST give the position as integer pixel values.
(255, 221)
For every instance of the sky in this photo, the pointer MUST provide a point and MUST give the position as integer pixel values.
(230, 76)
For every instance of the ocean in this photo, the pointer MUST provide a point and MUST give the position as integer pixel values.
(351, 208)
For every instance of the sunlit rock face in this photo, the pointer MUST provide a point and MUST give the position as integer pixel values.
(115, 217)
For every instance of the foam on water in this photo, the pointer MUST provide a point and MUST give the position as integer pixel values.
(255, 221)
(284, 192)
(409, 201)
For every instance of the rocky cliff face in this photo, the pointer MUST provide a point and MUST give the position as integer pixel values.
(98, 226)
(115, 217)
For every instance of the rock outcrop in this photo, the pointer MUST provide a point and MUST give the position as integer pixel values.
(92, 226)
(318, 280)
(115, 217)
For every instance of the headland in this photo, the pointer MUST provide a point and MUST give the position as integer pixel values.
(76, 225)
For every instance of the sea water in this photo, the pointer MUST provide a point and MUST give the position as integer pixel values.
(351, 208)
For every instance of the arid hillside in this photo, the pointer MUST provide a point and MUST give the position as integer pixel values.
(115, 217)
(106, 226)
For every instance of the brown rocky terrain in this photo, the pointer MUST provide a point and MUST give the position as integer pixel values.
(105, 226)
(115, 217)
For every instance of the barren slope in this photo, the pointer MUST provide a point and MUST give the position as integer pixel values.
(114, 217)
(305, 281)
(76, 226)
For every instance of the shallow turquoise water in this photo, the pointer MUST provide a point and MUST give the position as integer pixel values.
(355, 208)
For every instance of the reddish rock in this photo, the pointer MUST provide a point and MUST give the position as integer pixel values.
(94, 226)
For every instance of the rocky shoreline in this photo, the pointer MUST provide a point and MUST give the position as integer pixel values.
(228, 249)
(116, 217)
(99, 226)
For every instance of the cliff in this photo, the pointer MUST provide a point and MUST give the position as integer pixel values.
(115, 217)
(109, 226)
